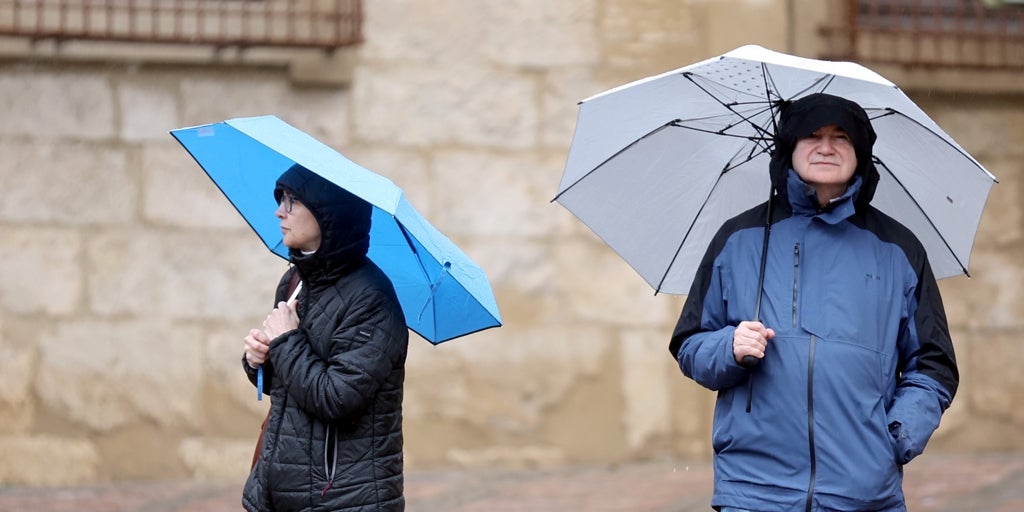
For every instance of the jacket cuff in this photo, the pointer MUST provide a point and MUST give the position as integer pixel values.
(248, 369)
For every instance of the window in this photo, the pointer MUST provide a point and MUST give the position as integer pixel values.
(321, 24)
(964, 34)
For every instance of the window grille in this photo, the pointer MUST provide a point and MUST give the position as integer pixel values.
(978, 34)
(319, 24)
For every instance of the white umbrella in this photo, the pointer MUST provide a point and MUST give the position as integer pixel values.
(657, 165)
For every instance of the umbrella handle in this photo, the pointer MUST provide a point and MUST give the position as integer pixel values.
(751, 362)
(259, 371)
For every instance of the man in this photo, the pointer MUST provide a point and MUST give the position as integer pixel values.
(333, 363)
(855, 363)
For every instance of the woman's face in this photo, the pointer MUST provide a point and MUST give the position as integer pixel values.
(299, 228)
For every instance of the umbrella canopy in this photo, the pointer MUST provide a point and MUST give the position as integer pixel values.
(657, 165)
(443, 294)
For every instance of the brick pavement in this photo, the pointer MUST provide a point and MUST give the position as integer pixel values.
(933, 483)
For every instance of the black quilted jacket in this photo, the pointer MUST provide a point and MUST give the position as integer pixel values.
(334, 434)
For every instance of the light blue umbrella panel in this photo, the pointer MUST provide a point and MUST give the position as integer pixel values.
(443, 293)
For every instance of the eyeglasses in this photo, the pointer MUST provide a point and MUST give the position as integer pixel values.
(288, 202)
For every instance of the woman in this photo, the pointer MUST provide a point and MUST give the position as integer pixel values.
(333, 363)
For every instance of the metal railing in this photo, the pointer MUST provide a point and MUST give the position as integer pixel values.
(321, 24)
(969, 34)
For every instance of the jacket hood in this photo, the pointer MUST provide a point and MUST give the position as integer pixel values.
(800, 118)
(344, 221)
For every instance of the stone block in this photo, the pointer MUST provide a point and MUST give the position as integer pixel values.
(992, 297)
(503, 381)
(441, 105)
(105, 374)
(723, 22)
(71, 183)
(400, 31)
(538, 34)
(1002, 220)
(641, 38)
(48, 104)
(563, 89)
(195, 275)
(176, 192)
(148, 107)
(973, 119)
(692, 415)
(958, 417)
(490, 195)
(645, 386)
(409, 170)
(320, 69)
(519, 270)
(47, 461)
(16, 403)
(216, 460)
(223, 365)
(216, 96)
(600, 287)
(526, 33)
(41, 271)
(994, 387)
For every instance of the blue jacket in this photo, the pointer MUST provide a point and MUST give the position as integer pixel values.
(860, 369)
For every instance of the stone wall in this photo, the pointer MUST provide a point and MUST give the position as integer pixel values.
(128, 281)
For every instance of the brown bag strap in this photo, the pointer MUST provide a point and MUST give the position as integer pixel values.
(293, 283)
(259, 441)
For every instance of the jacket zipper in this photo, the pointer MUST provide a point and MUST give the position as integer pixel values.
(810, 379)
(796, 280)
(330, 459)
(810, 421)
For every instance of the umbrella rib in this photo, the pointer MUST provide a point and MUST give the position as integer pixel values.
(433, 286)
(828, 78)
(942, 237)
(730, 106)
(753, 149)
(678, 123)
(610, 158)
(686, 235)
(772, 105)
(891, 111)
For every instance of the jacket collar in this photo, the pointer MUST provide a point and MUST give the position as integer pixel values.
(804, 200)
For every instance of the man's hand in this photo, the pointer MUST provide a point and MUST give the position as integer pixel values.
(750, 339)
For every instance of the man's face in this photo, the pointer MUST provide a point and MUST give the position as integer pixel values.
(299, 228)
(826, 160)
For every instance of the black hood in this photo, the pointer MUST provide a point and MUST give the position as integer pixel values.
(344, 221)
(800, 118)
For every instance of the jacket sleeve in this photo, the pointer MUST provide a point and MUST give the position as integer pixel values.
(928, 373)
(365, 348)
(702, 340)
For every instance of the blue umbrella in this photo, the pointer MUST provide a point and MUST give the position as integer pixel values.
(443, 294)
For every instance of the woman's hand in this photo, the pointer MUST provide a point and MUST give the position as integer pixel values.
(257, 346)
(281, 320)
